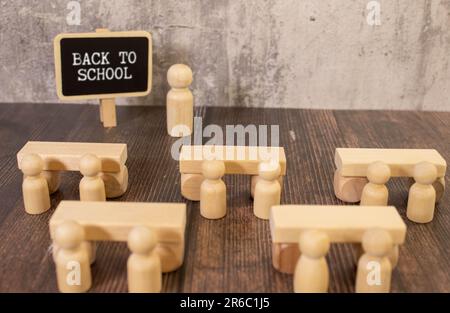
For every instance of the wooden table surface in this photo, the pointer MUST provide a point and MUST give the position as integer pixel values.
(232, 254)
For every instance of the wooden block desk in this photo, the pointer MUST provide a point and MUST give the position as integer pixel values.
(66, 156)
(352, 163)
(342, 224)
(112, 221)
(242, 160)
(234, 253)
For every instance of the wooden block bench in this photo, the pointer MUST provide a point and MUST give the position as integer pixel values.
(352, 163)
(237, 159)
(342, 224)
(65, 156)
(113, 220)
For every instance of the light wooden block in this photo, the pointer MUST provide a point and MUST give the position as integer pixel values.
(190, 186)
(116, 184)
(112, 221)
(237, 159)
(341, 223)
(65, 156)
(353, 162)
(285, 257)
(348, 189)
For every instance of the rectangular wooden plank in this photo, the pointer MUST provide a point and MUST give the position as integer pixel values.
(237, 159)
(342, 223)
(113, 220)
(354, 161)
(65, 156)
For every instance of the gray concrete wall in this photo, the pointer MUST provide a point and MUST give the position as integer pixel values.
(272, 53)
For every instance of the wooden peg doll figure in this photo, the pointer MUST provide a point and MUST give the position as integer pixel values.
(73, 269)
(213, 194)
(374, 268)
(422, 195)
(92, 187)
(311, 272)
(267, 189)
(36, 196)
(180, 101)
(144, 264)
(375, 191)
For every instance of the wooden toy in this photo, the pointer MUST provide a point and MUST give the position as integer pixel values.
(144, 264)
(73, 271)
(375, 191)
(237, 160)
(91, 248)
(352, 164)
(374, 268)
(36, 197)
(92, 187)
(180, 101)
(311, 272)
(267, 189)
(213, 193)
(103, 65)
(422, 195)
(113, 220)
(255, 179)
(341, 224)
(66, 156)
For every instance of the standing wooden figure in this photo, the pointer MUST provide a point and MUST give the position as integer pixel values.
(180, 101)
(267, 189)
(144, 264)
(375, 191)
(36, 196)
(311, 272)
(374, 268)
(422, 195)
(92, 187)
(73, 270)
(213, 194)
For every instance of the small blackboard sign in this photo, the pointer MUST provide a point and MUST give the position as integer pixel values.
(103, 65)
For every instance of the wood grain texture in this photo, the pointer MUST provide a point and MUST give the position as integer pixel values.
(232, 254)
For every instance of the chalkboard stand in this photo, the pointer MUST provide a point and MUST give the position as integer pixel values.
(108, 112)
(107, 106)
(68, 49)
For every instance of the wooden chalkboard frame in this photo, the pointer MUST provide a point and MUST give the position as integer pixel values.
(57, 54)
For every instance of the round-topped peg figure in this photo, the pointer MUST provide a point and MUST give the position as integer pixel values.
(311, 272)
(422, 195)
(213, 192)
(92, 187)
(180, 101)
(73, 269)
(374, 268)
(267, 189)
(36, 196)
(375, 191)
(144, 264)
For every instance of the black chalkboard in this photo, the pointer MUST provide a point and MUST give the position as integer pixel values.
(89, 67)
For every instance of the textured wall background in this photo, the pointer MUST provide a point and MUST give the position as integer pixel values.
(272, 53)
